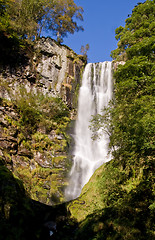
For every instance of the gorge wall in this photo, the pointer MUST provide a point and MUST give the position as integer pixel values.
(38, 99)
(51, 68)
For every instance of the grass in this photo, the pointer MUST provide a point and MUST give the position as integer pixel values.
(117, 203)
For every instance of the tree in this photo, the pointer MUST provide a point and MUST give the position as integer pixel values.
(4, 16)
(60, 18)
(30, 17)
(130, 118)
(137, 37)
(84, 50)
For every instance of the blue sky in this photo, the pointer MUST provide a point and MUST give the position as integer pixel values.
(101, 18)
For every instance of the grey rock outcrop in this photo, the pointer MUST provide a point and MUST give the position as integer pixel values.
(53, 69)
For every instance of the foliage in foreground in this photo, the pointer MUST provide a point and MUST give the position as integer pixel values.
(20, 216)
(117, 203)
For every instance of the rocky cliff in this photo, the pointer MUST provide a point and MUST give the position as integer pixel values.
(53, 69)
(38, 99)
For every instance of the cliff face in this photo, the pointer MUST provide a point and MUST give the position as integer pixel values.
(60, 70)
(37, 102)
(52, 69)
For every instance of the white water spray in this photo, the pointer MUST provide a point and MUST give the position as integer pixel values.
(94, 95)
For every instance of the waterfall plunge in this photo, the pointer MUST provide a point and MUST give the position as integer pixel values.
(94, 95)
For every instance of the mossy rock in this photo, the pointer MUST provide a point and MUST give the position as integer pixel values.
(116, 202)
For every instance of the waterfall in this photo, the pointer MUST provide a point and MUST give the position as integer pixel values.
(94, 95)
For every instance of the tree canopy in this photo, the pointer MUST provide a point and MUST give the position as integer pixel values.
(130, 118)
(28, 18)
(137, 37)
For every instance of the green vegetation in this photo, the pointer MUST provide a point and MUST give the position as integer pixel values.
(131, 115)
(33, 139)
(20, 216)
(37, 110)
(137, 37)
(118, 201)
(84, 50)
(40, 143)
(17, 212)
(28, 18)
(22, 22)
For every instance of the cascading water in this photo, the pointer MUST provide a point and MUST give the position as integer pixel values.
(94, 95)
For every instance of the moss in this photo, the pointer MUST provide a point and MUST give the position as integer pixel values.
(7, 156)
(39, 193)
(26, 144)
(21, 137)
(25, 175)
(59, 159)
(116, 202)
(90, 199)
(38, 176)
(40, 122)
(76, 94)
(42, 172)
(20, 217)
(41, 183)
(41, 142)
(8, 119)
